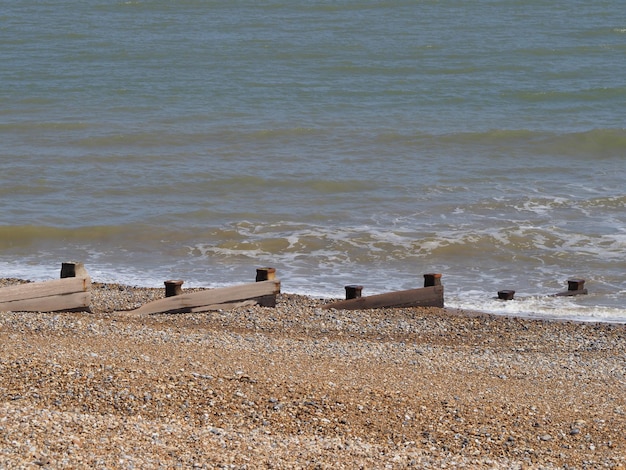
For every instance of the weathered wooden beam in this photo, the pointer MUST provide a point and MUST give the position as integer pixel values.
(422, 297)
(52, 303)
(185, 302)
(37, 290)
(71, 292)
(225, 306)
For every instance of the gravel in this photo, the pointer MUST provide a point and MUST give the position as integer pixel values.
(298, 386)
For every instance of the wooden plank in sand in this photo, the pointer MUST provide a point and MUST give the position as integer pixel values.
(210, 299)
(230, 305)
(431, 296)
(71, 293)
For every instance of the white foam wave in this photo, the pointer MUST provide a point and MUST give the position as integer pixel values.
(541, 307)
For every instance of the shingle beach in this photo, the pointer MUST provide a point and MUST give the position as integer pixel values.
(298, 386)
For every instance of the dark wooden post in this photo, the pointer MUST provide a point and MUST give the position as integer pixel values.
(432, 279)
(173, 287)
(506, 294)
(575, 284)
(72, 269)
(265, 274)
(353, 292)
(574, 287)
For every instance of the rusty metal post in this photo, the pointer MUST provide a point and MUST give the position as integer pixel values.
(173, 287)
(353, 292)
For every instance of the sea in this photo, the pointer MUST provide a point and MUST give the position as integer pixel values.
(341, 142)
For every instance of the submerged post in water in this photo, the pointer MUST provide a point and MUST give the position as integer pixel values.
(574, 287)
(506, 294)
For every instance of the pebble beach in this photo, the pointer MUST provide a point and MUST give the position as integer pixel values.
(298, 386)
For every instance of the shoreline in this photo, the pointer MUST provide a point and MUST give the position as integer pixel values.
(297, 386)
(138, 295)
(156, 292)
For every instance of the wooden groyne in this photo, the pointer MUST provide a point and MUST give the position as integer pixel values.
(72, 292)
(574, 287)
(261, 292)
(431, 295)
